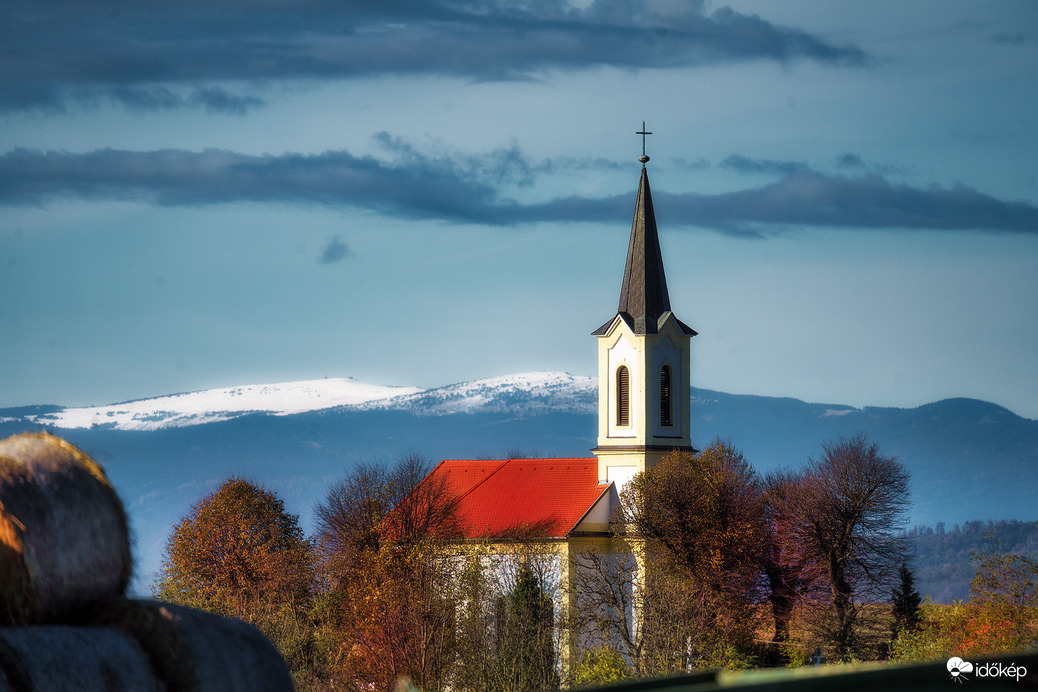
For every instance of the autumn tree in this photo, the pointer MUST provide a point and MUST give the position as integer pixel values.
(848, 527)
(239, 553)
(236, 543)
(1004, 593)
(387, 610)
(702, 519)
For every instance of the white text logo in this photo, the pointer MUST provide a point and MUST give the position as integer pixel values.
(958, 669)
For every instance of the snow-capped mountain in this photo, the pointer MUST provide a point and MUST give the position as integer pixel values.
(527, 393)
(520, 394)
(213, 405)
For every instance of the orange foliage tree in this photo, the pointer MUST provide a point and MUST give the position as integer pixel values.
(237, 543)
(239, 553)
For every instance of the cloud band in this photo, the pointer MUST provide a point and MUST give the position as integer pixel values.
(471, 189)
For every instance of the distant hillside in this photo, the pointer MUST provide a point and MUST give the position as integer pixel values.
(944, 558)
(967, 458)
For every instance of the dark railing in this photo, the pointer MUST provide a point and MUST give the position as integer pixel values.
(1010, 672)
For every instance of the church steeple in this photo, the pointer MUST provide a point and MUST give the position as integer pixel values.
(644, 390)
(644, 298)
(643, 295)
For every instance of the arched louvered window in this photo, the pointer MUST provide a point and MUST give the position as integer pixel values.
(666, 419)
(623, 396)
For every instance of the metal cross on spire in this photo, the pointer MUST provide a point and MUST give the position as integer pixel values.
(643, 158)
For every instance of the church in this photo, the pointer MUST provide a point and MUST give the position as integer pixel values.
(644, 402)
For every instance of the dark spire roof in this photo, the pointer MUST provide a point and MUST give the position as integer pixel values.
(643, 295)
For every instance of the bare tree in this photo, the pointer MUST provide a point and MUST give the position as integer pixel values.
(790, 575)
(606, 610)
(388, 610)
(375, 505)
(848, 529)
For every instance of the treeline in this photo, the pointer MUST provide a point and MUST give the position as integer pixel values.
(999, 616)
(945, 559)
(744, 570)
(707, 565)
(383, 597)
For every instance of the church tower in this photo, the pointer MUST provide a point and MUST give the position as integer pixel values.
(644, 377)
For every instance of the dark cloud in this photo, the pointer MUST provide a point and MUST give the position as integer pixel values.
(812, 199)
(52, 49)
(335, 250)
(219, 100)
(700, 164)
(160, 98)
(850, 161)
(1013, 39)
(743, 164)
(412, 186)
(472, 189)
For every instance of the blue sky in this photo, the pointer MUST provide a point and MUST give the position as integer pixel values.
(204, 194)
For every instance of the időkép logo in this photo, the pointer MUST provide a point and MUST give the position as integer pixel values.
(961, 670)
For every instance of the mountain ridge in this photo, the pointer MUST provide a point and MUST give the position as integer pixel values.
(968, 459)
(287, 398)
(546, 390)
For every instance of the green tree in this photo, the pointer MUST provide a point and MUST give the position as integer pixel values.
(505, 632)
(475, 644)
(905, 600)
(600, 666)
(526, 645)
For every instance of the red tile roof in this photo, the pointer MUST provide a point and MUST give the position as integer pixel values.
(542, 498)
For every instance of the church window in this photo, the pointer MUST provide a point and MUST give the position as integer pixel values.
(623, 396)
(665, 407)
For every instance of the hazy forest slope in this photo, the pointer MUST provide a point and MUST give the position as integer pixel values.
(944, 561)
